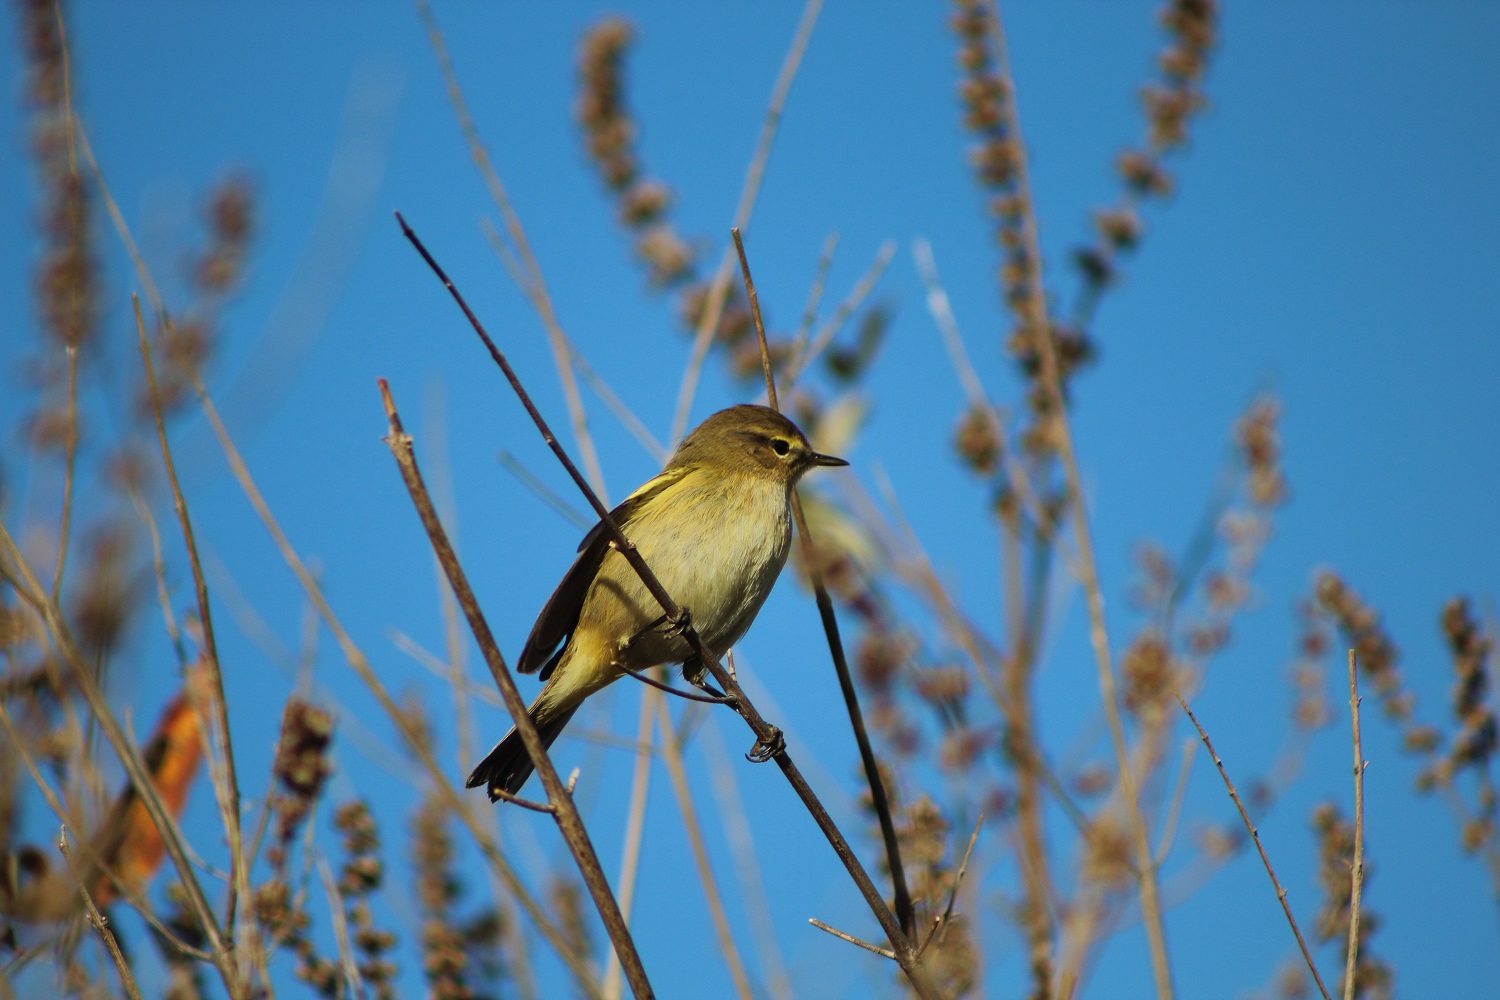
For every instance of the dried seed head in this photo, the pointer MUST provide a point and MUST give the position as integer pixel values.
(977, 440)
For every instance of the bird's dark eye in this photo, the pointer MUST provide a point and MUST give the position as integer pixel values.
(780, 446)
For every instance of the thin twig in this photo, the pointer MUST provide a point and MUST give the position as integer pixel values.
(867, 946)
(134, 897)
(576, 962)
(1174, 811)
(127, 979)
(737, 831)
(535, 288)
(70, 436)
(559, 798)
(1035, 307)
(1255, 836)
(229, 794)
(140, 778)
(714, 307)
(635, 822)
(815, 295)
(851, 303)
(1357, 872)
(672, 754)
(878, 798)
(770, 743)
(940, 923)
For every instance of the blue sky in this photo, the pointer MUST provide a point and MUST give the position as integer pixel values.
(1332, 237)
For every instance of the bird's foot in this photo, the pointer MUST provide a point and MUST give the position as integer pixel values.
(676, 627)
(768, 746)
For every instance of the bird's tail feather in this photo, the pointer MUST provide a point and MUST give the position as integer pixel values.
(509, 765)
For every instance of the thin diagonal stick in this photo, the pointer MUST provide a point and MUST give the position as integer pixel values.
(1035, 306)
(904, 911)
(671, 744)
(535, 288)
(97, 919)
(229, 794)
(630, 860)
(1357, 874)
(559, 798)
(1255, 836)
(52, 616)
(577, 963)
(714, 308)
(770, 743)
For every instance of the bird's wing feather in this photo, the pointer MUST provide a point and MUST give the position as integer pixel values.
(560, 615)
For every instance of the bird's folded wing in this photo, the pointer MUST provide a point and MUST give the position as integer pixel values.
(560, 615)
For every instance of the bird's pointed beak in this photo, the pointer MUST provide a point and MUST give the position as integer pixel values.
(827, 460)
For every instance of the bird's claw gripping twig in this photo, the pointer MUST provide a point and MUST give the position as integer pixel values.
(767, 747)
(676, 627)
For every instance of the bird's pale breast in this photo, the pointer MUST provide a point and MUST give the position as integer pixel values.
(716, 543)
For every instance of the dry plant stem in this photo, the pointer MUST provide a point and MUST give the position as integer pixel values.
(940, 922)
(70, 461)
(672, 753)
(635, 822)
(878, 798)
(815, 295)
(97, 919)
(1174, 811)
(577, 963)
(535, 287)
(867, 946)
(137, 901)
(560, 801)
(70, 439)
(737, 830)
(1357, 872)
(769, 739)
(1036, 312)
(714, 307)
(1255, 836)
(33, 594)
(801, 359)
(229, 794)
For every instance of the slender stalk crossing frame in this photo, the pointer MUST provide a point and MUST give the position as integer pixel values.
(769, 742)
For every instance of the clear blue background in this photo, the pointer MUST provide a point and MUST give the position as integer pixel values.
(1333, 237)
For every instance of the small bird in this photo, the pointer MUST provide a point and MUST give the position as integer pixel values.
(715, 527)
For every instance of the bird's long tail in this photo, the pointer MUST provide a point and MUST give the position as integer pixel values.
(509, 765)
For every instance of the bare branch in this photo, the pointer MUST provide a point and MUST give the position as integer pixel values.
(1255, 836)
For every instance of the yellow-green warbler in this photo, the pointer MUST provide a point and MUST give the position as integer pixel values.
(715, 527)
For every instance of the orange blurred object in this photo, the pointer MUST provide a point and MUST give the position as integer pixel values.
(172, 757)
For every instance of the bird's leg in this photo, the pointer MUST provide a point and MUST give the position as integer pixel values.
(626, 643)
(696, 674)
(767, 747)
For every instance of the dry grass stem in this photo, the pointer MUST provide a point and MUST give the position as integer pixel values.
(878, 797)
(848, 307)
(559, 798)
(867, 946)
(577, 963)
(127, 978)
(227, 788)
(1255, 836)
(709, 322)
(31, 591)
(635, 824)
(672, 754)
(1357, 869)
(1035, 309)
(535, 287)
